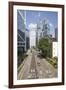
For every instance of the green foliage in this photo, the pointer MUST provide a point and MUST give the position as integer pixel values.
(53, 61)
(45, 46)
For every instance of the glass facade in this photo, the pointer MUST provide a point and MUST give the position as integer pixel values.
(21, 29)
(23, 33)
(43, 28)
(21, 20)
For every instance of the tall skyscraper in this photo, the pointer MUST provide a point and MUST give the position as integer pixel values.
(21, 26)
(56, 34)
(32, 32)
(42, 29)
(27, 39)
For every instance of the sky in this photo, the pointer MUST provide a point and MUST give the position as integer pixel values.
(34, 17)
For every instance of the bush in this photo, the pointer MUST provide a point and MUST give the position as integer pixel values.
(53, 61)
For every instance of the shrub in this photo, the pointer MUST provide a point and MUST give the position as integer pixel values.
(53, 61)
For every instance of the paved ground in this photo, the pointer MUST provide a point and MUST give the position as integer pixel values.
(25, 67)
(35, 67)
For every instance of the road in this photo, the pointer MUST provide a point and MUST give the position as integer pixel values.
(35, 67)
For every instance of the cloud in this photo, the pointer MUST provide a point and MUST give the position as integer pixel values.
(32, 26)
(51, 25)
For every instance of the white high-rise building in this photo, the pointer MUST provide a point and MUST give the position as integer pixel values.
(32, 34)
(54, 49)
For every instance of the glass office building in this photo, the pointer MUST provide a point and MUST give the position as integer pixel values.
(21, 29)
(43, 28)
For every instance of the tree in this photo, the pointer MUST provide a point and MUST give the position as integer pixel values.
(45, 46)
